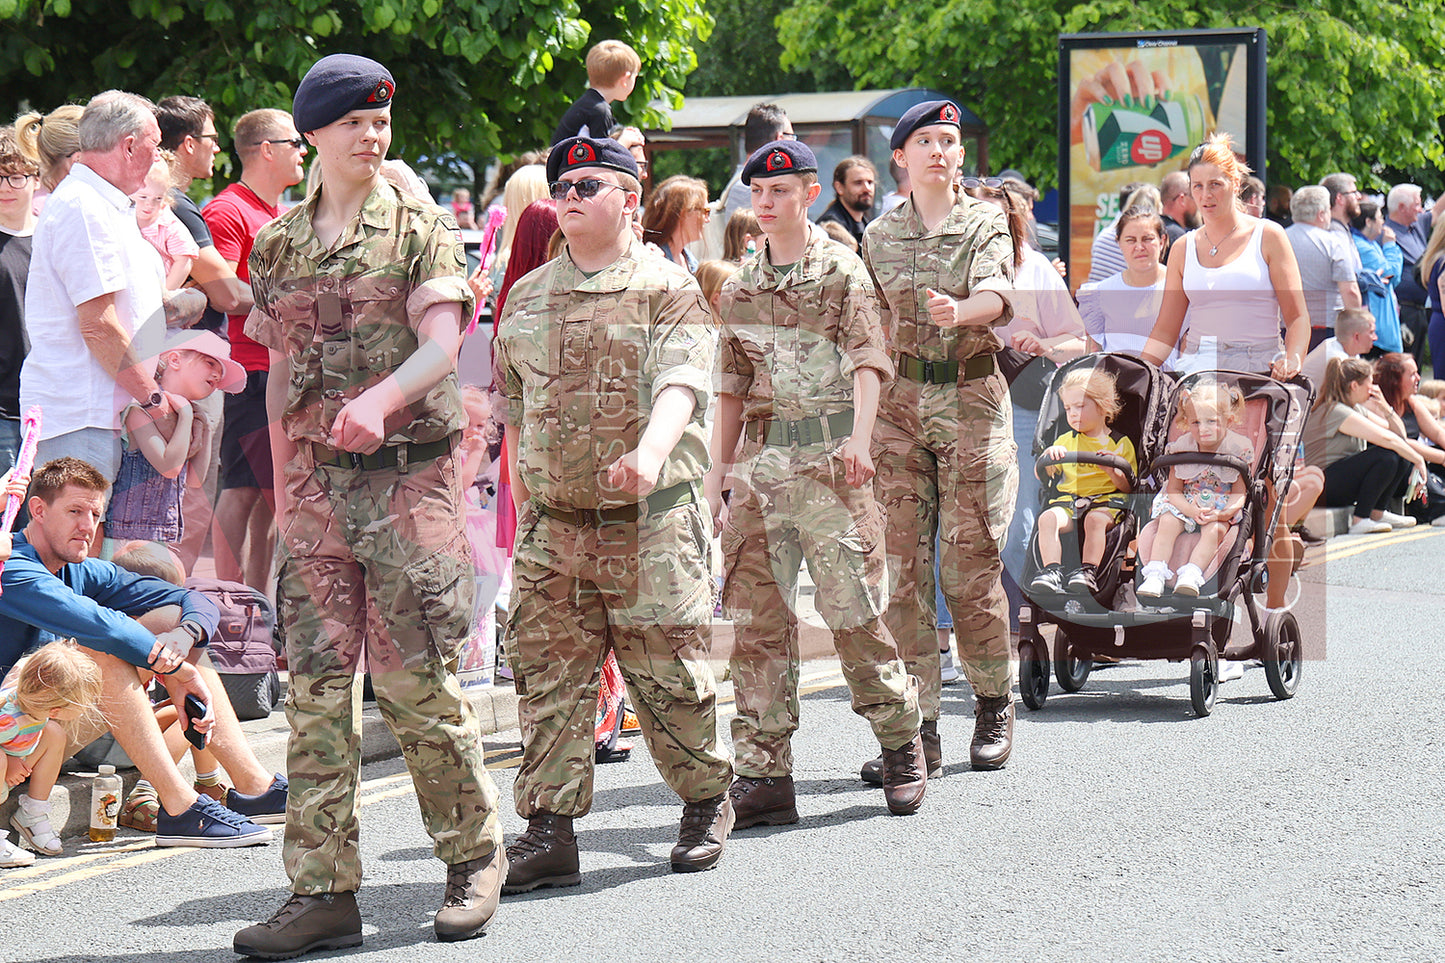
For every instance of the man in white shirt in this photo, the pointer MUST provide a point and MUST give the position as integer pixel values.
(1327, 261)
(94, 304)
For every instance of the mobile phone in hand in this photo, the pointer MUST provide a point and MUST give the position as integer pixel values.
(195, 710)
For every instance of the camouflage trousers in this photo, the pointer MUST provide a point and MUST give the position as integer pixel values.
(788, 505)
(946, 465)
(376, 575)
(644, 590)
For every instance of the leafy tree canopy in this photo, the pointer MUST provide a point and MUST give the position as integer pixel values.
(474, 77)
(1354, 85)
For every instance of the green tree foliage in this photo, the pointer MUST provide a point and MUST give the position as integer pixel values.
(1354, 85)
(744, 55)
(474, 77)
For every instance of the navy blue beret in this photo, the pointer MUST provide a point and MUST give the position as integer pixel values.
(575, 152)
(926, 114)
(335, 86)
(780, 157)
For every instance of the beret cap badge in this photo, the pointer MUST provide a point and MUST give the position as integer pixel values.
(581, 153)
(779, 161)
(381, 93)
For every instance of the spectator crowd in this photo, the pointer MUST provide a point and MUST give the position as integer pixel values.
(220, 378)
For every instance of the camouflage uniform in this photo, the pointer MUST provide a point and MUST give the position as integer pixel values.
(945, 453)
(579, 361)
(790, 346)
(375, 566)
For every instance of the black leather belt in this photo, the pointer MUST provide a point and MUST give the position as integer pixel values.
(387, 457)
(806, 431)
(655, 504)
(944, 372)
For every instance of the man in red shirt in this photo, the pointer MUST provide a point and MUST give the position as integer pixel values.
(272, 156)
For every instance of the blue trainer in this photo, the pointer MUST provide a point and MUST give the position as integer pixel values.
(208, 825)
(269, 807)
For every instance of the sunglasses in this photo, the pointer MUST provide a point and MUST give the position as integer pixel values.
(295, 142)
(588, 187)
(973, 183)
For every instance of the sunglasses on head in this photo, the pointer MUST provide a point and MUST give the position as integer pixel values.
(973, 183)
(585, 188)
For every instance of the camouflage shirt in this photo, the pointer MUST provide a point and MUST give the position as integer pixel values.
(967, 252)
(346, 317)
(579, 361)
(792, 341)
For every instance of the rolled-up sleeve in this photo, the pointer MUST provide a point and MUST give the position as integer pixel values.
(439, 271)
(862, 327)
(683, 345)
(736, 368)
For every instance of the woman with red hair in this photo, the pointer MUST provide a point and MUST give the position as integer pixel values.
(535, 229)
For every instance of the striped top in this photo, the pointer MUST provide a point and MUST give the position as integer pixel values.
(19, 733)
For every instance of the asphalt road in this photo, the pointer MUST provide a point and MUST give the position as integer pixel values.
(1124, 829)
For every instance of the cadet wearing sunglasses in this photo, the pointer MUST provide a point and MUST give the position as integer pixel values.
(605, 357)
(586, 188)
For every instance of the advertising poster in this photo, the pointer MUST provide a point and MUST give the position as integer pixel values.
(1132, 106)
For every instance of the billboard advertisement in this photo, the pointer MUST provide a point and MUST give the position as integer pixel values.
(1132, 106)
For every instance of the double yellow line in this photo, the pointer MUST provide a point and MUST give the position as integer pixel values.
(49, 874)
(1337, 549)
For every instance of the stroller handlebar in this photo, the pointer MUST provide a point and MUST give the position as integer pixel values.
(1245, 469)
(1106, 459)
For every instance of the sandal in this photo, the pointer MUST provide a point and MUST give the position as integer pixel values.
(141, 810)
(12, 856)
(37, 833)
(216, 792)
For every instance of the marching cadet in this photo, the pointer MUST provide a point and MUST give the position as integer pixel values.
(605, 358)
(802, 363)
(944, 445)
(361, 297)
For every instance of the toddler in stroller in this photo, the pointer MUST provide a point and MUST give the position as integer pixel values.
(1087, 496)
(1204, 498)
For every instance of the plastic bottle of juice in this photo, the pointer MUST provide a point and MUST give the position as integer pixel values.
(104, 805)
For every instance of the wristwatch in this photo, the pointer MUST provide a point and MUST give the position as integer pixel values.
(154, 401)
(197, 632)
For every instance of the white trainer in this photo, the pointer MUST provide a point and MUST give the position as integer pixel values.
(1397, 521)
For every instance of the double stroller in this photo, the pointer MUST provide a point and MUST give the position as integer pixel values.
(1115, 622)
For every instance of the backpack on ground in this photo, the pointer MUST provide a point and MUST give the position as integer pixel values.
(243, 649)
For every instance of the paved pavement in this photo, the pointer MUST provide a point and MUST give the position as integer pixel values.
(1124, 828)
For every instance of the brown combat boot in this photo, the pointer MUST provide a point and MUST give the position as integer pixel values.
(700, 838)
(473, 890)
(303, 924)
(544, 855)
(905, 777)
(872, 771)
(769, 801)
(993, 731)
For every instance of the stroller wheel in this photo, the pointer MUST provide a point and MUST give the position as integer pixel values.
(1033, 674)
(1203, 678)
(1283, 654)
(1071, 671)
